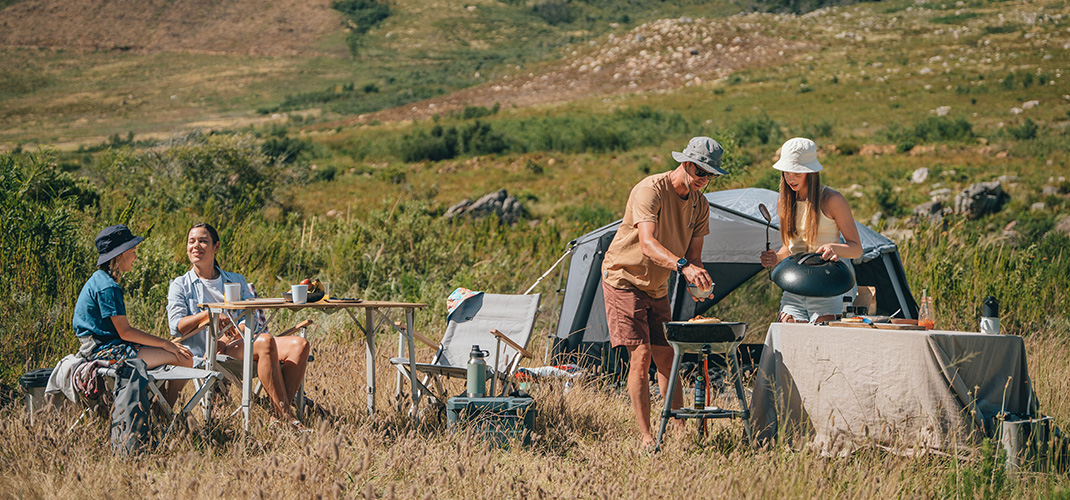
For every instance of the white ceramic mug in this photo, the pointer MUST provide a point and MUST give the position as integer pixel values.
(299, 293)
(989, 325)
(232, 292)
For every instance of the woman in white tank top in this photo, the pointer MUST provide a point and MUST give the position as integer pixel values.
(812, 219)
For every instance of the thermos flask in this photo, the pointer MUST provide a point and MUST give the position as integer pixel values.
(990, 315)
(477, 373)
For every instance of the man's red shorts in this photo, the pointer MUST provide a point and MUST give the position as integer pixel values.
(634, 317)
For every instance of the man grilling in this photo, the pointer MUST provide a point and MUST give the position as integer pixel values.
(664, 222)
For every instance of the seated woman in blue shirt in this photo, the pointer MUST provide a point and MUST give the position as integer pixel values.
(100, 314)
(204, 284)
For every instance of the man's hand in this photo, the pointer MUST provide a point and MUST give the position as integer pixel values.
(697, 275)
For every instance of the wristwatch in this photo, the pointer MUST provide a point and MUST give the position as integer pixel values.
(680, 265)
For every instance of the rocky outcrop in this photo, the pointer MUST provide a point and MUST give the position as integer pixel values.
(499, 203)
(981, 199)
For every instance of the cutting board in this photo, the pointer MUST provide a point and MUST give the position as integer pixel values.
(879, 326)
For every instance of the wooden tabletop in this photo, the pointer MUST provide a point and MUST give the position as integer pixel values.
(279, 303)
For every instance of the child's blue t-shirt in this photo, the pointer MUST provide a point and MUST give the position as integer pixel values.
(100, 299)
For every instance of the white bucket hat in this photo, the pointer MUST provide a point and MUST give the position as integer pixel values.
(798, 155)
(704, 152)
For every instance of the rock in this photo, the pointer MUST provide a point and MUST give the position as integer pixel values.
(942, 194)
(507, 208)
(1062, 226)
(933, 211)
(1050, 190)
(942, 110)
(334, 213)
(919, 175)
(1030, 104)
(981, 199)
(1039, 206)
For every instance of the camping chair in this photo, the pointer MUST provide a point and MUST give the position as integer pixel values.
(501, 324)
(204, 381)
(231, 368)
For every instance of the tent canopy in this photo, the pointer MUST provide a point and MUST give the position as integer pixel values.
(730, 254)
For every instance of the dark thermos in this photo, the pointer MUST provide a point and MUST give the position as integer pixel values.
(990, 315)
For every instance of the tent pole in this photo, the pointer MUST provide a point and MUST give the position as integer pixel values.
(557, 319)
(895, 284)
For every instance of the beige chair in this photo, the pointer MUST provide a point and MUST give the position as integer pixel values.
(500, 324)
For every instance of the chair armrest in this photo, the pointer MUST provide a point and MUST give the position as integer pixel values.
(294, 329)
(417, 336)
(501, 336)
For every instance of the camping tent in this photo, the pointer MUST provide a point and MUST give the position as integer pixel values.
(730, 254)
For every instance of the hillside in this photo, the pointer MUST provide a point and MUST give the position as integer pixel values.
(283, 27)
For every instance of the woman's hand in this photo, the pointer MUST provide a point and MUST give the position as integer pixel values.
(180, 351)
(828, 251)
(769, 258)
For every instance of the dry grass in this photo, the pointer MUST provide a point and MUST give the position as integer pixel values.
(584, 447)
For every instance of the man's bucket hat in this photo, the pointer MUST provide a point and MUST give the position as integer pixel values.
(114, 240)
(704, 152)
(798, 155)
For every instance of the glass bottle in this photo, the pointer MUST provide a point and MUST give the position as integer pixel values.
(926, 314)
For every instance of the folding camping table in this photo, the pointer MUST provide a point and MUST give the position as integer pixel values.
(369, 326)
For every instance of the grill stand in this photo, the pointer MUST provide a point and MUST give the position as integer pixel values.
(729, 349)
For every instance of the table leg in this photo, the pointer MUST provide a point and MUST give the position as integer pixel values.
(410, 337)
(369, 343)
(209, 357)
(247, 370)
(666, 413)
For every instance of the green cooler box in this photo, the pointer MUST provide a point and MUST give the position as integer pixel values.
(501, 419)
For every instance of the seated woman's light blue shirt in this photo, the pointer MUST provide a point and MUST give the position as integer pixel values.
(184, 294)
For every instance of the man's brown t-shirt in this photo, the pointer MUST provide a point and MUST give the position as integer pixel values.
(676, 221)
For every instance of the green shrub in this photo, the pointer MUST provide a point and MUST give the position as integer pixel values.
(554, 12)
(955, 18)
(760, 129)
(1027, 131)
(436, 145)
(931, 129)
(848, 148)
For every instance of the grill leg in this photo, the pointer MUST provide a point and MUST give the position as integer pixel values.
(733, 362)
(666, 413)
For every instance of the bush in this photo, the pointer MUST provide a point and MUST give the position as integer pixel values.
(1027, 131)
(758, 130)
(554, 12)
(931, 129)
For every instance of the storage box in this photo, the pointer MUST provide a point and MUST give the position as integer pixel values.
(33, 383)
(499, 419)
(1026, 442)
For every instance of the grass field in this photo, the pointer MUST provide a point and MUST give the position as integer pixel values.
(884, 88)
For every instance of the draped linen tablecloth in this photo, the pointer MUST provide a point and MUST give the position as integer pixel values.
(836, 389)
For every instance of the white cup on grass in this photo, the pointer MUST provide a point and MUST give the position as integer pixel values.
(299, 293)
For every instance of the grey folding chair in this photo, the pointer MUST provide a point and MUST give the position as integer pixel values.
(500, 324)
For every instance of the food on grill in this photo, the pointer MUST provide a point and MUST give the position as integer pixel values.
(703, 319)
(855, 319)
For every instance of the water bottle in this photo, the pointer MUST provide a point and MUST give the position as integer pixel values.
(990, 315)
(477, 373)
(700, 393)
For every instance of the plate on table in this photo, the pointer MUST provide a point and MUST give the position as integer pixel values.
(312, 297)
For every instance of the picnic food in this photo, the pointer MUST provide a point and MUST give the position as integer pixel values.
(305, 281)
(855, 319)
(702, 319)
(316, 286)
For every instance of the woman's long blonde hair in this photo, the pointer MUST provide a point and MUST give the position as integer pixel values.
(788, 207)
